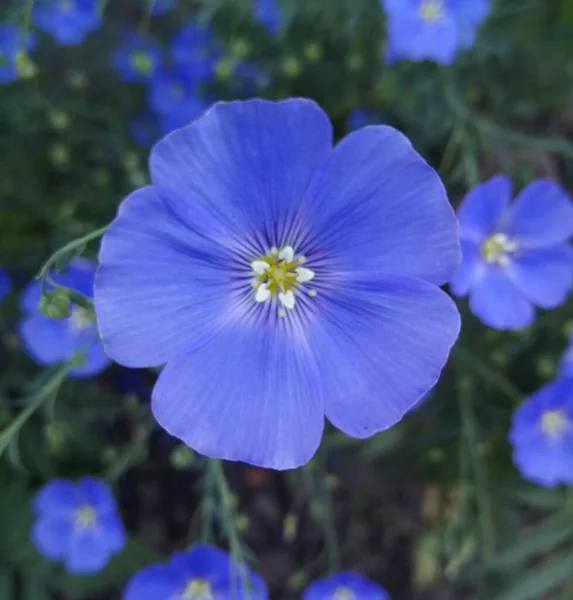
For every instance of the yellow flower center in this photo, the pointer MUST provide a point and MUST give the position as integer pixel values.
(198, 589)
(80, 318)
(85, 517)
(554, 423)
(498, 248)
(141, 62)
(432, 10)
(343, 593)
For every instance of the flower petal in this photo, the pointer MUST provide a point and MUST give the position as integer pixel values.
(252, 394)
(46, 341)
(543, 275)
(498, 303)
(542, 215)
(52, 536)
(381, 346)
(95, 361)
(88, 552)
(470, 268)
(98, 494)
(360, 587)
(58, 496)
(482, 208)
(247, 164)
(376, 205)
(156, 581)
(160, 287)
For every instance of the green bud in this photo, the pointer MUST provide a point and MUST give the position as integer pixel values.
(313, 52)
(354, 62)
(59, 120)
(77, 79)
(59, 155)
(240, 48)
(225, 68)
(182, 457)
(25, 67)
(242, 522)
(291, 66)
(55, 304)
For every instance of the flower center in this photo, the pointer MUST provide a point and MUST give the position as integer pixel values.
(141, 62)
(498, 248)
(80, 319)
(554, 423)
(85, 517)
(66, 6)
(278, 275)
(432, 10)
(343, 593)
(198, 589)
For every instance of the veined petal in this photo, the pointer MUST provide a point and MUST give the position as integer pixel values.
(543, 275)
(160, 287)
(375, 204)
(247, 164)
(498, 303)
(381, 346)
(266, 410)
(470, 268)
(52, 536)
(542, 215)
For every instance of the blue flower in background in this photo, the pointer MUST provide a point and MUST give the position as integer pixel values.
(514, 257)
(68, 21)
(144, 129)
(267, 13)
(137, 58)
(195, 50)
(5, 284)
(157, 7)
(432, 29)
(277, 295)
(77, 523)
(361, 117)
(52, 341)
(193, 110)
(345, 585)
(542, 435)
(204, 572)
(566, 363)
(12, 43)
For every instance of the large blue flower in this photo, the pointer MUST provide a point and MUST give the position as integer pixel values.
(514, 257)
(5, 284)
(137, 58)
(203, 572)
(432, 29)
(345, 585)
(280, 280)
(542, 435)
(77, 523)
(52, 341)
(196, 51)
(68, 21)
(267, 12)
(12, 42)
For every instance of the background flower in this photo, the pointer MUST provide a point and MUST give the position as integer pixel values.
(195, 51)
(137, 58)
(5, 284)
(13, 42)
(68, 21)
(77, 523)
(345, 585)
(267, 12)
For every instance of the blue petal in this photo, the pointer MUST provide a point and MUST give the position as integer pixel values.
(247, 163)
(202, 561)
(542, 215)
(252, 394)
(5, 284)
(481, 211)
(113, 532)
(98, 494)
(327, 587)
(88, 552)
(381, 345)
(375, 204)
(52, 536)
(95, 360)
(547, 465)
(160, 287)
(543, 275)
(57, 497)
(498, 303)
(470, 269)
(154, 583)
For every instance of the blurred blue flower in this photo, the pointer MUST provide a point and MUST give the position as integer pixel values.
(157, 7)
(267, 12)
(566, 363)
(68, 21)
(280, 280)
(203, 572)
(77, 523)
(5, 284)
(144, 129)
(12, 43)
(345, 585)
(542, 435)
(514, 257)
(361, 117)
(137, 58)
(432, 29)
(249, 78)
(195, 51)
(193, 110)
(52, 341)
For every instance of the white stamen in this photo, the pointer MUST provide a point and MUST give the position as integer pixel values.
(301, 259)
(260, 266)
(303, 274)
(287, 254)
(312, 293)
(263, 293)
(287, 299)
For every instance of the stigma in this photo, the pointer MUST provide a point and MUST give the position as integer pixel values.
(198, 589)
(280, 274)
(85, 517)
(432, 10)
(554, 423)
(499, 248)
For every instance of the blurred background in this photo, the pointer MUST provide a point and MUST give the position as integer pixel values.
(432, 509)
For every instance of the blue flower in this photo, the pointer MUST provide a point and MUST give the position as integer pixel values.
(267, 13)
(432, 29)
(280, 280)
(5, 284)
(542, 435)
(195, 50)
(68, 21)
(514, 257)
(12, 43)
(52, 341)
(77, 523)
(361, 117)
(345, 585)
(193, 110)
(144, 129)
(157, 7)
(137, 58)
(566, 363)
(202, 572)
